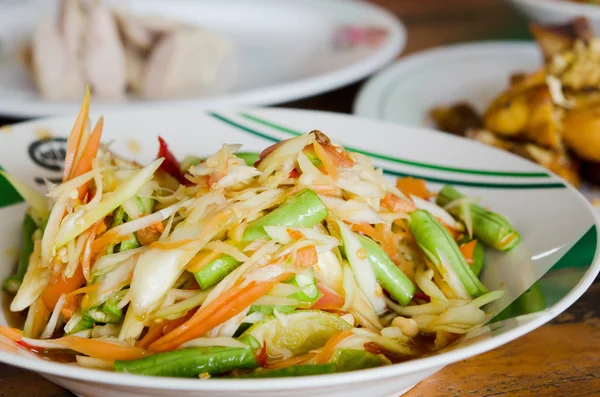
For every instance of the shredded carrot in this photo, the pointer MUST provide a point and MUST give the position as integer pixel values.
(102, 242)
(60, 285)
(341, 158)
(216, 312)
(468, 249)
(13, 334)
(294, 234)
(158, 330)
(367, 230)
(101, 228)
(454, 233)
(327, 351)
(329, 299)
(306, 257)
(75, 135)
(396, 204)
(328, 162)
(412, 186)
(70, 306)
(88, 155)
(385, 238)
(201, 259)
(87, 251)
(290, 362)
(101, 349)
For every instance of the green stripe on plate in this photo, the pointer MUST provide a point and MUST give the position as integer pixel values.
(8, 194)
(556, 185)
(407, 162)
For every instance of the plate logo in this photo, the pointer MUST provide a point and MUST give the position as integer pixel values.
(49, 153)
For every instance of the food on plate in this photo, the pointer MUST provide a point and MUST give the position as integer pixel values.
(550, 116)
(116, 52)
(300, 260)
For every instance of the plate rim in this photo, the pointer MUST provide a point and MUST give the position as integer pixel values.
(278, 93)
(569, 7)
(374, 88)
(416, 365)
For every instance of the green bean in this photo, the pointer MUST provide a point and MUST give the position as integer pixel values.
(129, 244)
(250, 341)
(191, 362)
(303, 209)
(117, 219)
(313, 158)
(111, 306)
(490, 228)
(387, 273)
(215, 271)
(12, 283)
(306, 297)
(433, 238)
(478, 255)
(298, 370)
(249, 157)
(78, 323)
(351, 360)
(145, 204)
(97, 315)
(269, 309)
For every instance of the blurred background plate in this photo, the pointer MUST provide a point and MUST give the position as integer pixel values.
(284, 50)
(475, 73)
(559, 11)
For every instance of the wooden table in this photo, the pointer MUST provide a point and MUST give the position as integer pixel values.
(559, 359)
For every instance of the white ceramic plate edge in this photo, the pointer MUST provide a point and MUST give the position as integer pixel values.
(416, 365)
(275, 94)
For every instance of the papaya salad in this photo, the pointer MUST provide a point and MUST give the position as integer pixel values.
(300, 260)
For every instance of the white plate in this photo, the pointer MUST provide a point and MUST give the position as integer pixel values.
(559, 11)
(406, 91)
(554, 263)
(284, 50)
(475, 73)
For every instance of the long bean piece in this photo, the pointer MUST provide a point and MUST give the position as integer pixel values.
(303, 209)
(491, 228)
(440, 247)
(191, 362)
(387, 273)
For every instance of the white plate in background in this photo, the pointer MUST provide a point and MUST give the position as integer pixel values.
(476, 73)
(284, 50)
(558, 11)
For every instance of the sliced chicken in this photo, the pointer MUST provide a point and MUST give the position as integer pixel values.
(134, 33)
(103, 54)
(134, 60)
(183, 63)
(142, 31)
(57, 77)
(71, 23)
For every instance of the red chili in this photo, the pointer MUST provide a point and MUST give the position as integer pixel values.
(261, 357)
(170, 165)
